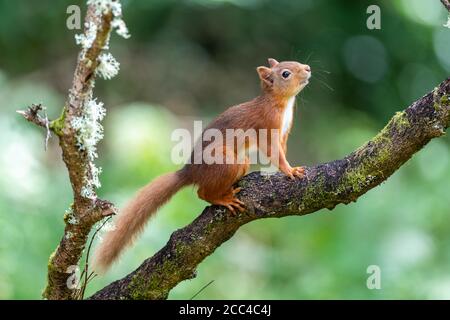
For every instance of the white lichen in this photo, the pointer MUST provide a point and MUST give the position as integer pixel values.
(87, 191)
(117, 23)
(87, 38)
(68, 235)
(89, 133)
(121, 28)
(72, 220)
(108, 66)
(95, 173)
(89, 130)
(69, 217)
(102, 7)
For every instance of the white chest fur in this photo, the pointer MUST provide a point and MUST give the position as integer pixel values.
(288, 115)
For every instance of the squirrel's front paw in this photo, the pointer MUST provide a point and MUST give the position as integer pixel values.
(298, 172)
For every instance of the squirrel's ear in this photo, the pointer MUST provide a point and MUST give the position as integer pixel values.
(272, 62)
(265, 74)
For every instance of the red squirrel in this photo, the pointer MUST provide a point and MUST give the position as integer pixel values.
(272, 110)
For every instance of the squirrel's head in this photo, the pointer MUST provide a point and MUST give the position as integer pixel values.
(286, 78)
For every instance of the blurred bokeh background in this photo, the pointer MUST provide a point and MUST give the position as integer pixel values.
(189, 60)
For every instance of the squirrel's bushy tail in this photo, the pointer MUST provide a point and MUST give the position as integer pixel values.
(132, 219)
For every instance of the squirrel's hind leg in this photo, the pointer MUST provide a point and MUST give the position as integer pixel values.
(215, 183)
(227, 199)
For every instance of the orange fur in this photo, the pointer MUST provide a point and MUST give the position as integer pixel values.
(132, 219)
(215, 181)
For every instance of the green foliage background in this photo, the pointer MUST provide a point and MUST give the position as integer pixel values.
(189, 60)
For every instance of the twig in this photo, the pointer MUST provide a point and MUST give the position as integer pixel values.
(32, 115)
(203, 288)
(86, 264)
(47, 128)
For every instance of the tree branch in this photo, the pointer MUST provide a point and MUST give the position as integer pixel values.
(86, 209)
(275, 196)
(32, 115)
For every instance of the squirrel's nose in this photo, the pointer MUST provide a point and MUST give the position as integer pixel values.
(307, 68)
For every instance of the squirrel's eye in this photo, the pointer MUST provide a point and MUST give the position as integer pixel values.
(285, 74)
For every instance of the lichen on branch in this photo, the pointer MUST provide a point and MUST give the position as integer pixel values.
(324, 186)
(79, 131)
(105, 16)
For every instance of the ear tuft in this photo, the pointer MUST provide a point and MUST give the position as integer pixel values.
(272, 62)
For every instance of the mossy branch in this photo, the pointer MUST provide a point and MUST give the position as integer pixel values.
(324, 186)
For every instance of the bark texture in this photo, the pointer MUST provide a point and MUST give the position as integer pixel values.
(324, 186)
(84, 212)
